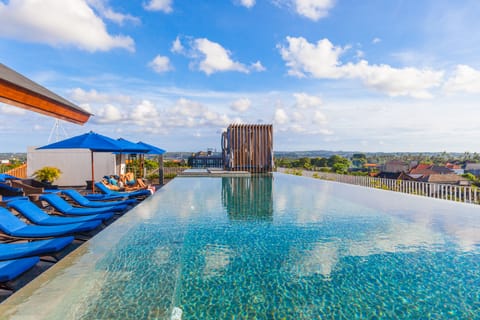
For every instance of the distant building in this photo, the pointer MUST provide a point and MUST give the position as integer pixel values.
(473, 168)
(395, 166)
(455, 167)
(434, 174)
(204, 159)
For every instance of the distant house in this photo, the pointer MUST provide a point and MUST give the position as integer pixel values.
(448, 178)
(389, 175)
(395, 166)
(455, 167)
(434, 174)
(426, 169)
(370, 166)
(473, 168)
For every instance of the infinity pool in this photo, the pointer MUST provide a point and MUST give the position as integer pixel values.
(269, 247)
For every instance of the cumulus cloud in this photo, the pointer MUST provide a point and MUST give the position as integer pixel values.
(108, 13)
(305, 101)
(241, 105)
(376, 40)
(247, 3)
(11, 110)
(39, 21)
(280, 117)
(322, 61)
(211, 57)
(304, 116)
(257, 66)
(94, 97)
(313, 9)
(215, 58)
(108, 114)
(177, 46)
(464, 79)
(161, 64)
(148, 116)
(159, 5)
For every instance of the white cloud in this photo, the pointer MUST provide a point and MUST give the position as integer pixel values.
(257, 66)
(8, 109)
(465, 79)
(247, 3)
(39, 21)
(108, 114)
(376, 40)
(280, 117)
(313, 9)
(177, 46)
(94, 97)
(305, 101)
(211, 57)
(159, 5)
(321, 60)
(304, 116)
(148, 117)
(161, 64)
(241, 105)
(216, 58)
(110, 14)
(144, 113)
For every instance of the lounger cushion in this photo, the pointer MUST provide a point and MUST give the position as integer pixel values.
(36, 215)
(10, 251)
(11, 269)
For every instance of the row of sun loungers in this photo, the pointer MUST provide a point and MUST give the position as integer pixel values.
(29, 231)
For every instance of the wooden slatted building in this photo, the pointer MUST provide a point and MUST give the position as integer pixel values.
(248, 147)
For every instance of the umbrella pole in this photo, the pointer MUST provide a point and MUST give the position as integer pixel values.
(93, 171)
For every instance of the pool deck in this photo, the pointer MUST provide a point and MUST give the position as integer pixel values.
(213, 172)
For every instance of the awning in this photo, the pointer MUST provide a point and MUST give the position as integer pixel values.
(22, 92)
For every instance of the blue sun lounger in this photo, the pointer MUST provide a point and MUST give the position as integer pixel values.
(81, 200)
(138, 193)
(10, 251)
(36, 215)
(11, 269)
(64, 207)
(12, 226)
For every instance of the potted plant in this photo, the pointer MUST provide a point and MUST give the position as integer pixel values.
(47, 174)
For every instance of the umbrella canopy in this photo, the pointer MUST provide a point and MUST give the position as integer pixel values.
(152, 149)
(91, 140)
(131, 147)
(94, 142)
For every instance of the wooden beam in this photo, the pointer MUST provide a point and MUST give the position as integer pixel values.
(19, 97)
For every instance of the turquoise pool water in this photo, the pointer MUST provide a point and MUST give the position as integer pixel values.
(281, 247)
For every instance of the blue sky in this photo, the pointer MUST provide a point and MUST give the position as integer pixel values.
(329, 74)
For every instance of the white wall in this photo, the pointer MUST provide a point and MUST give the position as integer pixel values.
(75, 164)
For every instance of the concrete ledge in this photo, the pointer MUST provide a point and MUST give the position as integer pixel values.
(214, 172)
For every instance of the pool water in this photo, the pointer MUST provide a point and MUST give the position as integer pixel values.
(271, 247)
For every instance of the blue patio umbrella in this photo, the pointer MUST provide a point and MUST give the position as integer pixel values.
(152, 149)
(94, 142)
(132, 147)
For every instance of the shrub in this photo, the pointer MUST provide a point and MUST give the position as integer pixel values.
(47, 174)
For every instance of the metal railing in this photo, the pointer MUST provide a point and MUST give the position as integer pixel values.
(467, 194)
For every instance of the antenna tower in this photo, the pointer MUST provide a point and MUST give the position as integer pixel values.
(58, 131)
